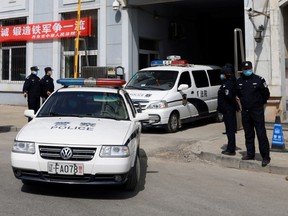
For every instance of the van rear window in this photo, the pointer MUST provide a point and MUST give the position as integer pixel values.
(200, 78)
(214, 77)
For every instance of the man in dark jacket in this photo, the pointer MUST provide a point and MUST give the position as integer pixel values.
(47, 83)
(253, 93)
(227, 105)
(32, 89)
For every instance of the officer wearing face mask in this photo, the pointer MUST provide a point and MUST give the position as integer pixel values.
(253, 93)
(32, 90)
(47, 83)
(227, 105)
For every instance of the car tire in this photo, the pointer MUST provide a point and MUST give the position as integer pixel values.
(133, 176)
(26, 182)
(173, 123)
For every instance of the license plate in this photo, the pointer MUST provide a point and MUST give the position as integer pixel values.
(65, 168)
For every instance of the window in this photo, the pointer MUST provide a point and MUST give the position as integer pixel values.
(185, 79)
(87, 46)
(148, 51)
(214, 77)
(201, 79)
(13, 55)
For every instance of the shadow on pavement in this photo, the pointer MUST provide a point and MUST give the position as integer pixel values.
(108, 192)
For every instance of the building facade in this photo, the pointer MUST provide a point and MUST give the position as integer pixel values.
(138, 31)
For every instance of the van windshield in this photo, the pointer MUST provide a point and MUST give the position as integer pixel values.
(153, 80)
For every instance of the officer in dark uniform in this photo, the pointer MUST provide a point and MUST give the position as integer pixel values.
(227, 105)
(47, 83)
(32, 89)
(253, 93)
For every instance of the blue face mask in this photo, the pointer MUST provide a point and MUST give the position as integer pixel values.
(36, 73)
(222, 76)
(247, 72)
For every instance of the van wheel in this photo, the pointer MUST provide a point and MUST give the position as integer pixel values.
(173, 123)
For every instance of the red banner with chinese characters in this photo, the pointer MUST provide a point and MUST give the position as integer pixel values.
(45, 31)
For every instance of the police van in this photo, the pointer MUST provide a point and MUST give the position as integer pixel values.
(173, 92)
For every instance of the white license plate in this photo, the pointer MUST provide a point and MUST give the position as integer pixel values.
(65, 168)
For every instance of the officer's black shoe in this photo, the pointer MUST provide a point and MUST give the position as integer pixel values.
(265, 163)
(228, 153)
(247, 158)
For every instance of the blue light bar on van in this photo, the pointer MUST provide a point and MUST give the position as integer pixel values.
(91, 82)
(156, 63)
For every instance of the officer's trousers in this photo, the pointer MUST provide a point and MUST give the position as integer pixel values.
(33, 103)
(253, 120)
(230, 122)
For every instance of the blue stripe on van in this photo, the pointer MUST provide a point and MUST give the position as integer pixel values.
(200, 105)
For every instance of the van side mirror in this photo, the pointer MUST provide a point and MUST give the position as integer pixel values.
(183, 87)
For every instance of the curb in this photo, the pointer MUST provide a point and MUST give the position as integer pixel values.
(236, 163)
(8, 128)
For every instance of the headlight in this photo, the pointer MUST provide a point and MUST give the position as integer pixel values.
(158, 105)
(114, 151)
(24, 147)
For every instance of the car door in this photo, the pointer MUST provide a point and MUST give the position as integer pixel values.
(186, 109)
(200, 96)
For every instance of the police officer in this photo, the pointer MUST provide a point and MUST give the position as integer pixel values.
(253, 93)
(32, 89)
(227, 105)
(47, 83)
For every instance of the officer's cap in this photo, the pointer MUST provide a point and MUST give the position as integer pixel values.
(47, 69)
(246, 65)
(227, 69)
(34, 68)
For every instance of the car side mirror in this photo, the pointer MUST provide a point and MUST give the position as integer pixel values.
(29, 114)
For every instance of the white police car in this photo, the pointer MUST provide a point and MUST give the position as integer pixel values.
(81, 135)
(173, 92)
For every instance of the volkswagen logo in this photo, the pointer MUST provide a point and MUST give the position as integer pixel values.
(66, 153)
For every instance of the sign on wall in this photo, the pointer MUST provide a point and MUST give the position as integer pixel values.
(45, 31)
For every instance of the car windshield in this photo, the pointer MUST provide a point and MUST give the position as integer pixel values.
(153, 80)
(85, 104)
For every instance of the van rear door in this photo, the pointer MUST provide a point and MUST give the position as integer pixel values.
(200, 98)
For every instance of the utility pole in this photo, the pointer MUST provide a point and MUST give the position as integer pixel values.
(77, 41)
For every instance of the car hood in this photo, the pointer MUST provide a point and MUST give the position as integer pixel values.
(72, 130)
(146, 94)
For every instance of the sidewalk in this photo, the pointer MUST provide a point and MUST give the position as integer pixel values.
(13, 119)
(211, 151)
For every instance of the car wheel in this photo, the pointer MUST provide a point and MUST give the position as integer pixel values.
(133, 176)
(173, 123)
(26, 182)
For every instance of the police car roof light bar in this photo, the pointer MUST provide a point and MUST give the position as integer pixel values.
(91, 82)
(180, 62)
(177, 62)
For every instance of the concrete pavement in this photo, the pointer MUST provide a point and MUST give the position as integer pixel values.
(12, 119)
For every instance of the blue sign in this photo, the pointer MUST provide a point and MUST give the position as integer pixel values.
(278, 139)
